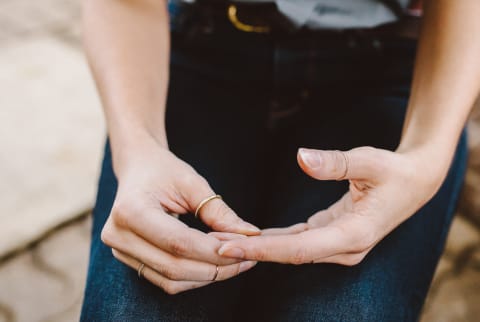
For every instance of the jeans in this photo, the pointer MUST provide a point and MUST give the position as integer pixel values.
(239, 106)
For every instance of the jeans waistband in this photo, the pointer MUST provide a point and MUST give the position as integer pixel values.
(202, 17)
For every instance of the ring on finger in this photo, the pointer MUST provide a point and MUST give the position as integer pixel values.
(217, 269)
(140, 269)
(344, 176)
(204, 202)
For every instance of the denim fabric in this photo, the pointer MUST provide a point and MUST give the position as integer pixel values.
(239, 106)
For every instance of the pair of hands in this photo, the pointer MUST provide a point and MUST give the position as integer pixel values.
(385, 189)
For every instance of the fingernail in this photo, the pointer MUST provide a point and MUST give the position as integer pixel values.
(234, 252)
(310, 158)
(251, 228)
(245, 266)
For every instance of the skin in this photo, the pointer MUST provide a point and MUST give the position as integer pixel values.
(140, 228)
(386, 188)
(152, 182)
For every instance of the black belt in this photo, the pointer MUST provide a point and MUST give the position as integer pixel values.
(262, 18)
(265, 18)
(258, 18)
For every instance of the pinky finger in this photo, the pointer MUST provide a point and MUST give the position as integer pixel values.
(168, 285)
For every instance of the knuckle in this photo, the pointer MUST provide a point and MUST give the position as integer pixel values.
(179, 246)
(123, 211)
(259, 254)
(300, 256)
(168, 270)
(171, 288)
(337, 163)
(108, 234)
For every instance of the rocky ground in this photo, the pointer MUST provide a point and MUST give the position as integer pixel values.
(42, 273)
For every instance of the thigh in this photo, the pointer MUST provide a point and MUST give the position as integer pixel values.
(392, 281)
(221, 138)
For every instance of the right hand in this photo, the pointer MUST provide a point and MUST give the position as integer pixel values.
(153, 185)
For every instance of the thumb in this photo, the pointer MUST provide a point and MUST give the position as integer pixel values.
(359, 163)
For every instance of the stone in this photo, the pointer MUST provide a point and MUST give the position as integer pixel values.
(51, 134)
(461, 236)
(470, 201)
(46, 283)
(444, 268)
(474, 260)
(456, 300)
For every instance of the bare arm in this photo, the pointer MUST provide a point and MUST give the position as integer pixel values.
(388, 187)
(127, 44)
(446, 81)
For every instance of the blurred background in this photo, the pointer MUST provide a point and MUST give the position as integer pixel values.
(51, 137)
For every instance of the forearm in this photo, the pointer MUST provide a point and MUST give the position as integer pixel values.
(127, 45)
(446, 80)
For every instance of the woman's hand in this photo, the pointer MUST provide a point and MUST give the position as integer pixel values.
(385, 189)
(153, 186)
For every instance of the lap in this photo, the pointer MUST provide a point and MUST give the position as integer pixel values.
(220, 130)
(222, 139)
(392, 281)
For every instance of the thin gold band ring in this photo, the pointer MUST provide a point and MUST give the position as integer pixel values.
(204, 202)
(346, 166)
(216, 274)
(140, 270)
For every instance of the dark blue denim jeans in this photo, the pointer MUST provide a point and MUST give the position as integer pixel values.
(239, 107)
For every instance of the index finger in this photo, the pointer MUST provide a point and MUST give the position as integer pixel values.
(211, 209)
(173, 236)
(298, 248)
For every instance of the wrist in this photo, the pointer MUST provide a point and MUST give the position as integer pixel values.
(132, 146)
(431, 143)
(431, 161)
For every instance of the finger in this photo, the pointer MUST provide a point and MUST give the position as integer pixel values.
(174, 268)
(171, 235)
(295, 249)
(294, 229)
(359, 163)
(229, 271)
(225, 236)
(215, 213)
(169, 286)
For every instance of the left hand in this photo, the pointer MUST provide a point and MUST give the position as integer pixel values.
(385, 189)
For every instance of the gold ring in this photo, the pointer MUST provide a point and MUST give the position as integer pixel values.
(346, 166)
(233, 17)
(140, 270)
(216, 273)
(204, 202)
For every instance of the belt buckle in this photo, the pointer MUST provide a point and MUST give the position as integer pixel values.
(232, 16)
